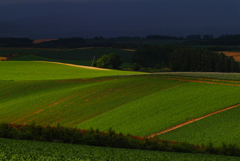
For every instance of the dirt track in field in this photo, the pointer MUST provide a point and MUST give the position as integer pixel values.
(192, 120)
(199, 81)
(73, 65)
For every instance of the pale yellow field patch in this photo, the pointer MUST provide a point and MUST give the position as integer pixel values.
(73, 65)
(3, 58)
(235, 55)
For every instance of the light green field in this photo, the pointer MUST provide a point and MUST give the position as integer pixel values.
(219, 128)
(27, 70)
(166, 108)
(33, 150)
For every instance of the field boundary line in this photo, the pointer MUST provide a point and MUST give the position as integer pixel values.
(79, 66)
(199, 81)
(193, 120)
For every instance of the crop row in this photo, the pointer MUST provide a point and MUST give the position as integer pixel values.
(34, 150)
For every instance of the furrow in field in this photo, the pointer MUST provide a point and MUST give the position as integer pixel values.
(193, 120)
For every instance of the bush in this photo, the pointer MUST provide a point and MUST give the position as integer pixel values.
(112, 59)
(108, 139)
(136, 66)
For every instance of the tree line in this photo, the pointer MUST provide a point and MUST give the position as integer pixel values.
(184, 59)
(120, 42)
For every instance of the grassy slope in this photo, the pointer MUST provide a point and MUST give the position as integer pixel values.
(25, 150)
(129, 104)
(25, 70)
(71, 101)
(166, 108)
(222, 127)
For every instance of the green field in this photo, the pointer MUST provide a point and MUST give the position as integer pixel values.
(27, 70)
(166, 108)
(222, 127)
(33, 150)
(130, 104)
(48, 94)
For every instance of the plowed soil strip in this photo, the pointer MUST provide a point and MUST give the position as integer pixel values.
(73, 65)
(192, 120)
(198, 81)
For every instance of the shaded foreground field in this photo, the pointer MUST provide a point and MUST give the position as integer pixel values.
(25, 150)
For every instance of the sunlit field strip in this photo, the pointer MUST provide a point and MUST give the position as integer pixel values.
(166, 108)
(218, 128)
(25, 70)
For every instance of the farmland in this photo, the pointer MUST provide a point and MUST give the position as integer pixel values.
(235, 55)
(26, 70)
(106, 102)
(166, 108)
(32, 150)
(128, 102)
(3, 58)
(222, 127)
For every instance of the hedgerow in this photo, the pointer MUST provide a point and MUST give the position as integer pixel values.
(108, 139)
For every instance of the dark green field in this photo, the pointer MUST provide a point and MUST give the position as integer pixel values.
(70, 54)
(33, 150)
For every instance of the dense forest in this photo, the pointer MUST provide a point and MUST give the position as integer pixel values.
(187, 59)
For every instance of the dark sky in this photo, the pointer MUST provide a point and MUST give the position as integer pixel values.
(110, 18)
